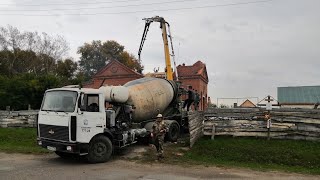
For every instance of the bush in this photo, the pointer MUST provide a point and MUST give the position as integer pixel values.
(26, 89)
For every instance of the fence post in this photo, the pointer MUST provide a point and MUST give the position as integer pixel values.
(213, 131)
(269, 126)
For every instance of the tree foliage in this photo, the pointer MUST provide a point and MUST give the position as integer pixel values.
(66, 68)
(212, 105)
(29, 52)
(25, 89)
(32, 62)
(97, 54)
(223, 106)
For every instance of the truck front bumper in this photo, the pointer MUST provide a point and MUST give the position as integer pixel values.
(76, 148)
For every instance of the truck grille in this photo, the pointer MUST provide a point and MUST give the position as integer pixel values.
(54, 132)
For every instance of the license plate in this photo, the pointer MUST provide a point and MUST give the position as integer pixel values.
(51, 148)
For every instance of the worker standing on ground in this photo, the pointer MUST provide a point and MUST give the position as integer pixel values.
(190, 99)
(159, 130)
(196, 101)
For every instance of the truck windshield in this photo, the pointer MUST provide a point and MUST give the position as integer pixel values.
(59, 101)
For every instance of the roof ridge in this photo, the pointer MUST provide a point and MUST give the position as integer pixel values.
(119, 63)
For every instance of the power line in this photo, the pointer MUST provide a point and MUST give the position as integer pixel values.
(89, 8)
(142, 11)
(70, 4)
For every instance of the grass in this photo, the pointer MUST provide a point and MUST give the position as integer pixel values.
(19, 140)
(257, 154)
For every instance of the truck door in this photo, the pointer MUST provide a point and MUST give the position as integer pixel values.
(91, 119)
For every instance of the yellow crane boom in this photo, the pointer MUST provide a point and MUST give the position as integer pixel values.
(163, 26)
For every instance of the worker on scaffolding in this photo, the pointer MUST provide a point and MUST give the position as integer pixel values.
(190, 99)
(196, 100)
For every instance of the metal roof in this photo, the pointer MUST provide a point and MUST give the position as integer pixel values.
(299, 95)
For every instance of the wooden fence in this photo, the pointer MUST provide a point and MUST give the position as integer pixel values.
(299, 124)
(195, 122)
(18, 118)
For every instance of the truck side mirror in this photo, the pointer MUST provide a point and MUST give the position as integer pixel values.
(80, 103)
(80, 100)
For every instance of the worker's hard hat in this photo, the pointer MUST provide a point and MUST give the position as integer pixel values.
(159, 116)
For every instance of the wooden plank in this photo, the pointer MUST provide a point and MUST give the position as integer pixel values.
(296, 120)
(232, 110)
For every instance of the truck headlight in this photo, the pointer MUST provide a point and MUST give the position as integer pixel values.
(69, 148)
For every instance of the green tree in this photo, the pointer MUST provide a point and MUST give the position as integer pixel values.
(4, 62)
(25, 89)
(31, 63)
(131, 61)
(66, 68)
(212, 105)
(223, 106)
(18, 61)
(97, 54)
(22, 52)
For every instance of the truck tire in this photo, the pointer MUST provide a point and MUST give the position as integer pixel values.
(174, 131)
(100, 149)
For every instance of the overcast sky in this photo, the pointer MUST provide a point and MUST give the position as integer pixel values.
(249, 49)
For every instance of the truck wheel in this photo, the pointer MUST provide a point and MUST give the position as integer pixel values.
(173, 132)
(100, 149)
(64, 155)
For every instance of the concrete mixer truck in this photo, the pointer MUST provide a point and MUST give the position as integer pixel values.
(94, 122)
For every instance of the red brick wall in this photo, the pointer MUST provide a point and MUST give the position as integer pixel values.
(112, 81)
(113, 74)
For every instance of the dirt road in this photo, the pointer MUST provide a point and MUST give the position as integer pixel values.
(21, 166)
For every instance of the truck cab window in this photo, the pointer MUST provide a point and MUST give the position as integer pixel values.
(92, 103)
(59, 101)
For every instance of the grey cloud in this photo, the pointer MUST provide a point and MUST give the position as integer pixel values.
(249, 50)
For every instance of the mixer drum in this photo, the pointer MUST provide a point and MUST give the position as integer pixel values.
(149, 96)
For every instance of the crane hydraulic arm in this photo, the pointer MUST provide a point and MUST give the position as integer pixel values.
(165, 35)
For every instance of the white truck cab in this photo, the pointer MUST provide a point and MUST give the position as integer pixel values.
(69, 118)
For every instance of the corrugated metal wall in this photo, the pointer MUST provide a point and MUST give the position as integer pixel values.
(300, 94)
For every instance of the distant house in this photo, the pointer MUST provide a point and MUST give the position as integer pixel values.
(247, 104)
(299, 96)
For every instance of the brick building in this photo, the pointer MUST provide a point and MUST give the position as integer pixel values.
(197, 77)
(115, 73)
